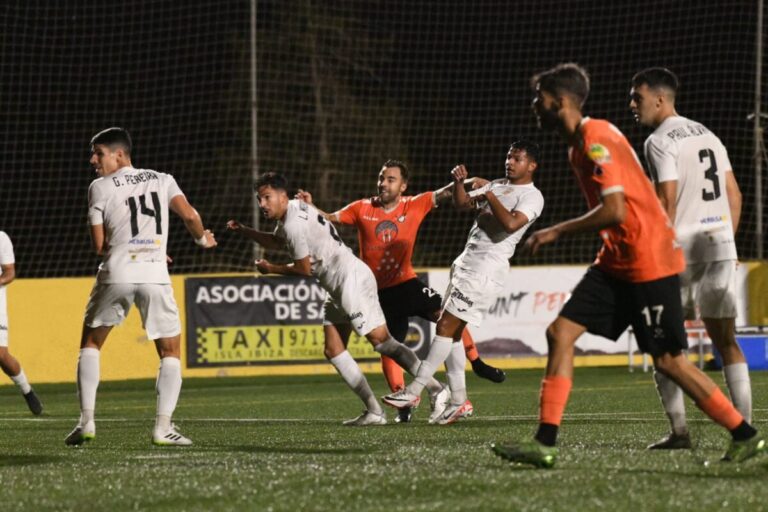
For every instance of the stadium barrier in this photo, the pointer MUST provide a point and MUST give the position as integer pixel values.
(248, 331)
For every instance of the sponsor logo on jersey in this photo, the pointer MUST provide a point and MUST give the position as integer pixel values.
(463, 298)
(599, 153)
(353, 316)
(386, 231)
(145, 241)
(713, 220)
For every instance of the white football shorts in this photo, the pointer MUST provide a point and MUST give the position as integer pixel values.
(3, 328)
(470, 294)
(109, 304)
(355, 300)
(710, 286)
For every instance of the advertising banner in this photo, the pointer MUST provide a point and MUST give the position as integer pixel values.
(248, 320)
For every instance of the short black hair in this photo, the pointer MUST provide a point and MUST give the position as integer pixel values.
(657, 78)
(271, 179)
(567, 78)
(400, 165)
(531, 148)
(114, 137)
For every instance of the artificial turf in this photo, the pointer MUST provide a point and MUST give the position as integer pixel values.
(277, 443)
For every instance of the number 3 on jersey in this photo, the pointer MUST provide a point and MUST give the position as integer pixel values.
(144, 210)
(710, 174)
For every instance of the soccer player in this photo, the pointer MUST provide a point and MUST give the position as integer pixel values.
(352, 301)
(634, 280)
(128, 217)
(696, 185)
(505, 209)
(8, 363)
(387, 225)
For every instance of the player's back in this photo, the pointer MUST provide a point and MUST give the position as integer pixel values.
(133, 207)
(308, 233)
(686, 150)
(642, 247)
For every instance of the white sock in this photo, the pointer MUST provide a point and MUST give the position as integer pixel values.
(455, 365)
(168, 387)
(347, 367)
(21, 381)
(87, 382)
(740, 388)
(672, 399)
(407, 359)
(438, 352)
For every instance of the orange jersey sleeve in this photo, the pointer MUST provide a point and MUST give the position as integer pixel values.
(643, 247)
(350, 213)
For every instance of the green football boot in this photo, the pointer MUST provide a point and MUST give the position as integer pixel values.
(527, 452)
(739, 451)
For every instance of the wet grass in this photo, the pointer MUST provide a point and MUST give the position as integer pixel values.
(277, 444)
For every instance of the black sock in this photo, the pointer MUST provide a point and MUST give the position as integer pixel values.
(743, 431)
(547, 434)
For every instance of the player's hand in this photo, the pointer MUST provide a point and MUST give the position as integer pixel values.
(303, 195)
(263, 266)
(168, 259)
(210, 240)
(234, 225)
(459, 173)
(479, 183)
(541, 237)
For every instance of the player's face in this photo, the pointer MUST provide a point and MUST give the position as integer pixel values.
(519, 165)
(644, 105)
(391, 184)
(104, 160)
(273, 203)
(545, 108)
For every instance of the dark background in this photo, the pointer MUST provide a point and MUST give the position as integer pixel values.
(341, 86)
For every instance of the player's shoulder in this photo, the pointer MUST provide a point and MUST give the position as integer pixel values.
(4, 238)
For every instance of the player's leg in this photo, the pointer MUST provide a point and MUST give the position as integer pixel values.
(459, 405)
(160, 317)
(658, 324)
(394, 374)
(336, 336)
(717, 302)
(11, 367)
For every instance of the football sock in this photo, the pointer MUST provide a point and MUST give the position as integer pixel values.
(672, 400)
(393, 373)
(722, 412)
(405, 358)
(455, 365)
(21, 381)
(469, 345)
(553, 397)
(87, 382)
(740, 388)
(168, 387)
(347, 367)
(438, 352)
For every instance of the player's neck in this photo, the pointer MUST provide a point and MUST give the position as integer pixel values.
(570, 121)
(663, 116)
(390, 205)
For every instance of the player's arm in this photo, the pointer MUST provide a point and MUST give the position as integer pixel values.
(98, 238)
(9, 273)
(306, 196)
(300, 267)
(667, 194)
(263, 238)
(611, 211)
(194, 224)
(734, 199)
(511, 220)
(461, 199)
(445, 194)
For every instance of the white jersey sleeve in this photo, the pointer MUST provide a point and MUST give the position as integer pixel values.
(662, 159)
(96, 203)
(296, 239)
(6, 250)
(531, 205)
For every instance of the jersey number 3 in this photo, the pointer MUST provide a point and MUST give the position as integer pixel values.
(142, 207)
(710, 174)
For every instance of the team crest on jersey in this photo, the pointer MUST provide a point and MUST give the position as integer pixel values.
(599, 154)
(386, 231)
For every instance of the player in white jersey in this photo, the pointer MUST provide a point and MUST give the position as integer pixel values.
(696, 185)
(505, 209)
(8, 363)
(352, 302)
(128, 218)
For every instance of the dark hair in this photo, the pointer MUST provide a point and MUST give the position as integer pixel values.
(271, 179)
(657, 78)
(114, 137)
(568, 78)
(531, 148)
(401, 165)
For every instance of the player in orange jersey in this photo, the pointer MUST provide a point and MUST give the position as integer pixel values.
(387, 227)
(634, 280)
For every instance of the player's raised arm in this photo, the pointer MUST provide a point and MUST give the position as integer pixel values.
(461, 199)
(194, 224)
(306, 196)
(302, 267)
(263, 238)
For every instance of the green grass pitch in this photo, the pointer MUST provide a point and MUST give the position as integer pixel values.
(276, 443)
